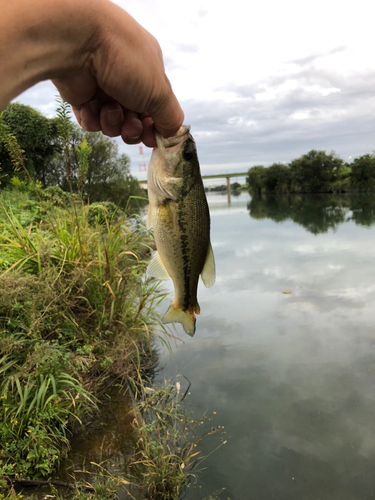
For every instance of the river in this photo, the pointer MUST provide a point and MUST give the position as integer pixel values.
(290, 376)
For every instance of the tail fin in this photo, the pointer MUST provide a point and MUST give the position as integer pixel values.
(186, 318)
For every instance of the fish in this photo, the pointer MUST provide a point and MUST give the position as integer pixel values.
(179, 215)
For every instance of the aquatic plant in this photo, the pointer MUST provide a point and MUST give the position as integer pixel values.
(169, 438)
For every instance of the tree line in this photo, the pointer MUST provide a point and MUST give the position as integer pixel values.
(314, 172)
(96, 169)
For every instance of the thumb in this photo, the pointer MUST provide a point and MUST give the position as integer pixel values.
(166, 112)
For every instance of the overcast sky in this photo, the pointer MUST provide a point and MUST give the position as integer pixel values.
(261, 82)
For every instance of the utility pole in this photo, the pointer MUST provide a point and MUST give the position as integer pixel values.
(228, 188)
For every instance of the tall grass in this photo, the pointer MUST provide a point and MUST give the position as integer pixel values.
(75, 314)
(169, 439)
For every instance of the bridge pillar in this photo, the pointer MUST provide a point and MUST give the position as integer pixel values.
(228, 188)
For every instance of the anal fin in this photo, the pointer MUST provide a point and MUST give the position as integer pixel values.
(208, 274)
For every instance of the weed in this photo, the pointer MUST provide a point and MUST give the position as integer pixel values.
(77, 315)
(73, 315)
(168, 446)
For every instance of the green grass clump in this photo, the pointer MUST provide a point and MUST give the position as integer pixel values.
(76, 317)
(75, 314)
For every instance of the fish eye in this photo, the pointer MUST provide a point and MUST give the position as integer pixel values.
(188, 155)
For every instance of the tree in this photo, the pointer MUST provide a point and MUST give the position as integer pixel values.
(235, 186)
(107, 173)
(277, 177)
(362, 175)
(35, 134)
(316, 171)
(9, 142)
(256, 179)
(59, 153)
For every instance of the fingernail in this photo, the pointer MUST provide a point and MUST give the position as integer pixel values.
(114, 116)
(134, 138)
(94, 106)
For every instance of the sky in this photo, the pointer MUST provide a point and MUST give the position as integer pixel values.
(261, 82)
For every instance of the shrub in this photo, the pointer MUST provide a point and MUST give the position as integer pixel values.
(102, 213)
(55, 195)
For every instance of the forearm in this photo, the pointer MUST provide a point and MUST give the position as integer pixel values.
(41, 39)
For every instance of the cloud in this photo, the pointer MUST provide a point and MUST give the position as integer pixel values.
(303, 61)
(308, 109)
(186, 47)
(41, 97)
(202, 12)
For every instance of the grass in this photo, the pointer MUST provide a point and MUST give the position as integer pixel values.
(76, 317)
(75, 313)
(169, 457)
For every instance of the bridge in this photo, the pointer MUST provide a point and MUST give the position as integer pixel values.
(219, 176)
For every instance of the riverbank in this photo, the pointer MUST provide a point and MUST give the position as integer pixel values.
(75, 315)
(77, 318)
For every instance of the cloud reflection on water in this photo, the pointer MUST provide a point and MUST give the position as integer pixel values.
(290, 376)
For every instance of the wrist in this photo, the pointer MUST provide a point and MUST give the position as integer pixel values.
(42, 39)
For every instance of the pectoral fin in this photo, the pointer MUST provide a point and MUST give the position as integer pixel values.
(165, 216)
(156, 269)
(208, 274)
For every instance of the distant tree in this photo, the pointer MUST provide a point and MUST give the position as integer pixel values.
(256, 179)
(362, 176)
(35, 134)
(277, 178)
(316, 171)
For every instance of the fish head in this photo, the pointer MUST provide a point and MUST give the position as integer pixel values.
(174, 165)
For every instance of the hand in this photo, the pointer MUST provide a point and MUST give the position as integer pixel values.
(101, 60)
(122, 88)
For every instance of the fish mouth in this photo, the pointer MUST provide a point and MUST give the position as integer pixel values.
(170, 142)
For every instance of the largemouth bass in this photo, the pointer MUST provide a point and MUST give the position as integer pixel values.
(179, 215)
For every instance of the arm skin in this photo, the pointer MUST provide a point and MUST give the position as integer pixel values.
(101, 60)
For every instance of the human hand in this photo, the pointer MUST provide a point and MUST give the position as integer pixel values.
(122, 89)
(102, 61)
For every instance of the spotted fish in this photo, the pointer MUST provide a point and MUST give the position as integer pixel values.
(179, 215)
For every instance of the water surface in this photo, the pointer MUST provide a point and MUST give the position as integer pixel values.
(291, 377)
